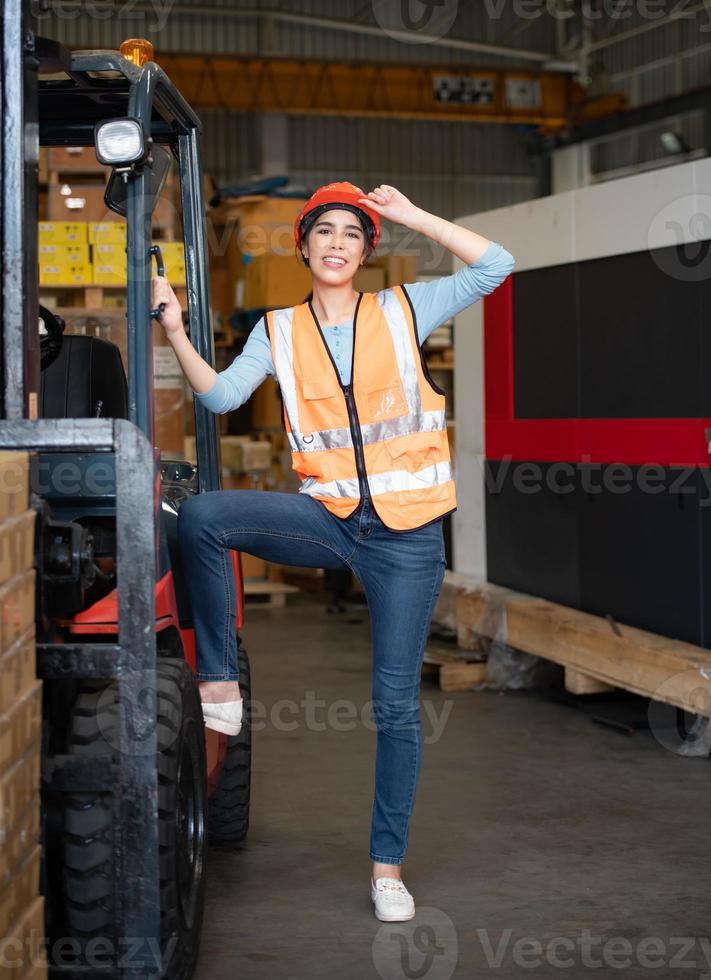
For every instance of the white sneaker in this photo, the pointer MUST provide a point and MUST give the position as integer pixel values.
(224, 716)
(393, 902)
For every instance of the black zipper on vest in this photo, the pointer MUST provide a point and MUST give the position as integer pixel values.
(347, 390)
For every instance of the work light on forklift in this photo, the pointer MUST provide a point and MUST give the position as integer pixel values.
(120, 142)
(137, 50)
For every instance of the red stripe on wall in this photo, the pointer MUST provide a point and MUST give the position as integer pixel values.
(667, 442)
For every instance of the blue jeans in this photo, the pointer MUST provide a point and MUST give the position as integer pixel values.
(401, 574)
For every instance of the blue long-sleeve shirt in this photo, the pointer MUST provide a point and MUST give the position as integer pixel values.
(433, 302)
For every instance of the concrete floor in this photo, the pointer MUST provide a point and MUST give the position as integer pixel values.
(541, 844)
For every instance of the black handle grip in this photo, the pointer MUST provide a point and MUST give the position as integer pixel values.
(160, 270)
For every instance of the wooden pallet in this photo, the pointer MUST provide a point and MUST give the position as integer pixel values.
(596, 652)
(96, 299)
(455, 670)
(267, 594)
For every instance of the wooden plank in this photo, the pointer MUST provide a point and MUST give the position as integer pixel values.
(457, 671)
(623, 656)
(276, 592)
(576, 682)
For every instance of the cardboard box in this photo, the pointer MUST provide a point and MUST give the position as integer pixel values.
(17, 538)
(20, 840)
(14, 483)
(221, 297)
(265, 404)
(369, 279)
(398, 269)
(75, 159)
(54, 232)
(64, 253)
(19, 787)
(84, 203)
(107, 232)
(18, 669)
(253, 567)
(109, 264)
(20, 890)
(108, 275)
(243, 481)
(173, 252)
(21, 726)
(240, 454)
(17, 608)
(109, 253)
(26, 942)
(65, 274)
(271, 282)
(255, 225)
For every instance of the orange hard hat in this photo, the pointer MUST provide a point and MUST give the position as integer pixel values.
(339, 195)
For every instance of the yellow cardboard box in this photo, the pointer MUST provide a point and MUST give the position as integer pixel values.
(109, 263)
(107, 232)
(54, 232)
(109, 275)
(64, 253)
(108, 253)
(65, 273)
(172, 252)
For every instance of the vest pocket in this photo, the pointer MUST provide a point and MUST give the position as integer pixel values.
(321, 405)
(386, 402)
(414, 459)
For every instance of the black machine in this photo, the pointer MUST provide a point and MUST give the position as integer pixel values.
(132, 789)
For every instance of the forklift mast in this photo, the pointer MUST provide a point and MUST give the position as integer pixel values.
(86, 88)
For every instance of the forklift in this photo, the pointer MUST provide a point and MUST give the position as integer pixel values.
(134, 787)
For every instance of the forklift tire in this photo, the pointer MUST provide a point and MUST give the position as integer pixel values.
(87, 853)
(228, 813)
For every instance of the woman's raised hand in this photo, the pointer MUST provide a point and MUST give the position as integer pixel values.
(172, 316)
(390, 203)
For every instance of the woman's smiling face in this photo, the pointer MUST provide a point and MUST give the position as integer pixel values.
(335, 246)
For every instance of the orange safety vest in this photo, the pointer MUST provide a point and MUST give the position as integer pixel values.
(385, 434)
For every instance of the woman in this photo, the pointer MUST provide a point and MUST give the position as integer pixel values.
(367, 432)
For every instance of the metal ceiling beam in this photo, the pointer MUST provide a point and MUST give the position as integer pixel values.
(296, 86)
(334, 24)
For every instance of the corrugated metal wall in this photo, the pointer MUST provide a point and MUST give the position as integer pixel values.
(450, 168)
(670, 57)
(244, 27)
(447, 168)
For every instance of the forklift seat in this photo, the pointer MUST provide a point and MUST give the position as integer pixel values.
(85, 381)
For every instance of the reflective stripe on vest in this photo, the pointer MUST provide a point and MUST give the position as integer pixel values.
(408, 472)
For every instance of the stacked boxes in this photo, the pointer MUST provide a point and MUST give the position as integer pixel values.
(21, 906)
(64, 254)
(108, 252)
(86, 253)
